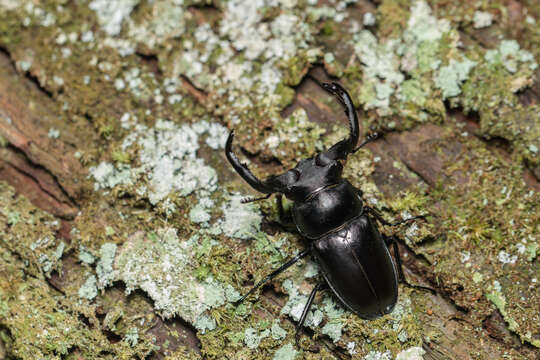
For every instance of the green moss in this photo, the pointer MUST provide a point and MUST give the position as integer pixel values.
(473, 221)
(29, 233)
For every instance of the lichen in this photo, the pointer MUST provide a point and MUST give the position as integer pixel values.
(482, 19)
(450, 77)
(414, 353)
(42, 250)
(162, 265)
(286, 352)
(111, 14)
(42, 322)
(104, 268)
(240, 221)
(89, 289)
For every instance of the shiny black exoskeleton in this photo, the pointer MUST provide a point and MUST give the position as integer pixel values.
(342, 232)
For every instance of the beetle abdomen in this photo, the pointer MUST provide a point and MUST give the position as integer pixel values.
(327, 210)
(357, 266)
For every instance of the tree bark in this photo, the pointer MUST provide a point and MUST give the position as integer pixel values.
(67, 106)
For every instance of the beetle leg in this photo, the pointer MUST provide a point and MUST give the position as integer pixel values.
(379, 217)
(285, 219)
(243, 170)
(309, 302)
(275, 273)
(391, 240)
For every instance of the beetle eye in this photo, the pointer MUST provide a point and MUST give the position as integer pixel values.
(293, 175)
(322, 160)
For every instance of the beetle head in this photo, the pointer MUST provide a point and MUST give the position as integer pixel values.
(308, 176)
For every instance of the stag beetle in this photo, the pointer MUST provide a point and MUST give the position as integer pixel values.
(341, 231)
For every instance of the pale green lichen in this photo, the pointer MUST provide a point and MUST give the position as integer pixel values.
(89, 289)
(13, 217)
(482, 19)
(163, 266)
(294, 137)
(278, 333)
(414, 353)
(423, 25)
(200, 213)
(241, 221)
(204, 323)
(450, 77)
(286, 352)
(333, 330)
(104, 268)
(497, 298)
(376, 355)
(106, 175)
(386, 62)
(86, 256)
(53, 133)
(111, 14)
(42, 322)
(154, 31)
(132, 336)
(296, 303)
(252, 337)
(167, 161)
(10, 4)
(510, 56)
(59, 251)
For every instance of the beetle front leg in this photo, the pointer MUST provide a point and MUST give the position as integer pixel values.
(391, 240)
(285, 218)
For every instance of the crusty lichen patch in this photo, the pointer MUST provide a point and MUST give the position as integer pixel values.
(164, 266)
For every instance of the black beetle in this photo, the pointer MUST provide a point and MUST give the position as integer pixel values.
(343, 236)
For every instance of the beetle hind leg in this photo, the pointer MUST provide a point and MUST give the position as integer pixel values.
(275, 273)
(391, 241)
(305, 312)
(380, 219)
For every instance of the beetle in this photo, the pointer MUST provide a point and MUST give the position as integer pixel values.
(341, 231)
